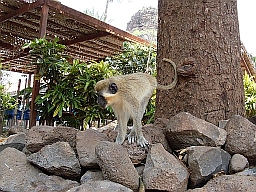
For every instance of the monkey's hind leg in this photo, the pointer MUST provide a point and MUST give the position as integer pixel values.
(136, 133)
(122, 128)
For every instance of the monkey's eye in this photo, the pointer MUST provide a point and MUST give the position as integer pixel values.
(113, 88)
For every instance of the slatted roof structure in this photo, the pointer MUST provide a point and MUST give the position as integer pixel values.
(247, 64)
(85, 37)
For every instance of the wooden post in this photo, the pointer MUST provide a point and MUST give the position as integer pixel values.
(36, 83)
(16, 108)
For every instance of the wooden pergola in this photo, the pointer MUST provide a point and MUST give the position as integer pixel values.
(85, 37)
(247, 64)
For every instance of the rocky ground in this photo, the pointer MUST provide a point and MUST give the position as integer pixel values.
(186, 154)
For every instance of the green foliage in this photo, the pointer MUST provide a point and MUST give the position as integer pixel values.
(83, 77)
(250, 95)
(49, 56)
(134, 58)
(6, 100)
(67, 91)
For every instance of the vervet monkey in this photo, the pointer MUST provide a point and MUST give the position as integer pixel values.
(128, 95)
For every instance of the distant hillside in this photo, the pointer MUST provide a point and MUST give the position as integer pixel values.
(144, 24)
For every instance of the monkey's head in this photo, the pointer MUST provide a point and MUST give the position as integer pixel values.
(106, 91)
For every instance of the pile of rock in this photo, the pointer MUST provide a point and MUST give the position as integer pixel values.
(186, 154)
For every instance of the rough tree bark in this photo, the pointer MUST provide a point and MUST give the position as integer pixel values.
(202, 38)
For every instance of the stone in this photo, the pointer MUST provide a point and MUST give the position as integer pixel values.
(154, 133)
(59, 159)
(204, 162)
(39, 136)
(140, 170)
(116, 165)
(185, 130)
(16, 173)
(248, 172)
(45, 183)
(18, 146)
(17, 138)
(100, 186)
(163, 171)
(92, 175)
(222, 124)
(16, 129)
(228, 183)
(86, 141)
(238, 163)
(241, 138)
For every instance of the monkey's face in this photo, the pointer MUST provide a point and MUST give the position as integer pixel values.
(106, 93)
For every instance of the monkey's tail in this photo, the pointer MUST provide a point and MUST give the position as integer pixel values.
(173, 84)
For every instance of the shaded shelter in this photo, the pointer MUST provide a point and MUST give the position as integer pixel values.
(85, 37)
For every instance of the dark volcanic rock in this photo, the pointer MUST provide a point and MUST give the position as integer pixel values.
(241, 138)
(59, 159)
(93, 175)
(100, 186)
(115, 164)
(185, 130)
(229, 183)
(85, 145)
(204, 162)
(16, 173)
(40, 136)
(238, 163)
(164, 172)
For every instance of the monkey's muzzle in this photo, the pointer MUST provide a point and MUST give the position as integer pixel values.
(101, 100)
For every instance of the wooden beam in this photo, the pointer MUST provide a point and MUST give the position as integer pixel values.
(43, 21)
(36, 84)
(21, 54)
(95, 23)
(85, 38)
(26, 8)
(6, 45)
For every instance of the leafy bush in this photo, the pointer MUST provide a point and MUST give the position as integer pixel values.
(67, 90)
(6, 102)
(134, 58)
(250, 95)
(83, 77)
(49, 56)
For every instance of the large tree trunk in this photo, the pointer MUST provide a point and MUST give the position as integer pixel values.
(204, 33)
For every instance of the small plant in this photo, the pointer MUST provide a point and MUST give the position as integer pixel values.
(134, 58)
(250, 95)
(6, 102)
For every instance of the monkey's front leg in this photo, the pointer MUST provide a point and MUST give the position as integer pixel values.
(122, 128)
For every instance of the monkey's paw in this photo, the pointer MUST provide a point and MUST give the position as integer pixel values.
(131, 137)
(120, 139)
(142, 142)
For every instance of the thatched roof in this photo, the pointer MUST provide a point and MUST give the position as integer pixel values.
(86, 38)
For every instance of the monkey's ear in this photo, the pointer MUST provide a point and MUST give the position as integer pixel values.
(113, 88)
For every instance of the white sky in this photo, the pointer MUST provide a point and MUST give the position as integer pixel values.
(121, 11)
